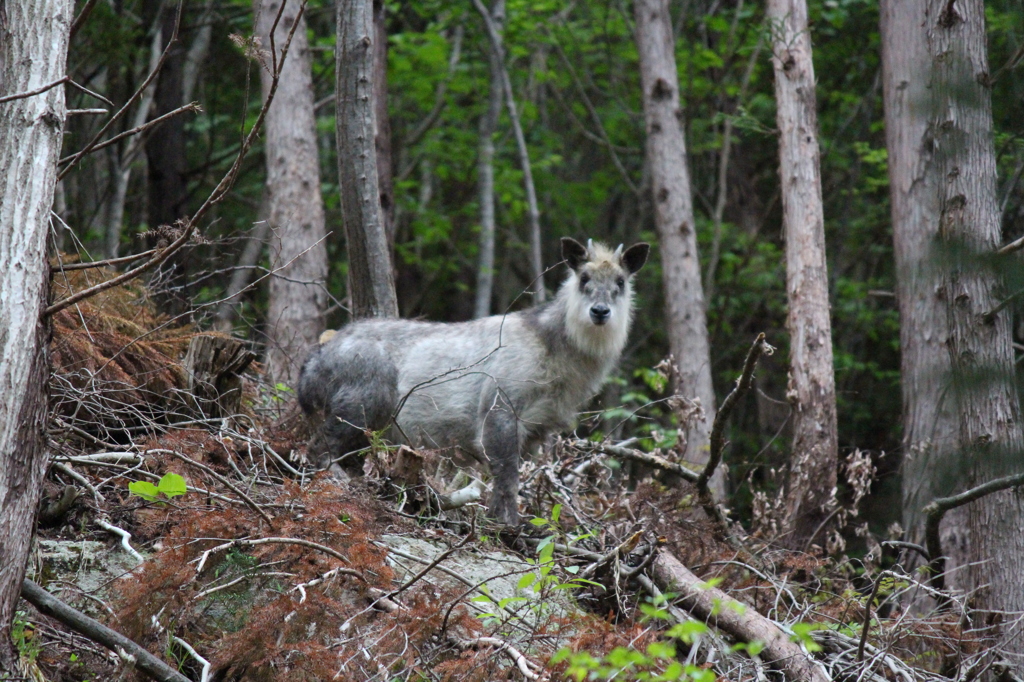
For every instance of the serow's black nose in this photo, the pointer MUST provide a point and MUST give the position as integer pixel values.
(600, 313)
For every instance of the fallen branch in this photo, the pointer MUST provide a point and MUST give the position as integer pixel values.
(937, 508)
(525, 665)
(745, 624)
(647, 458)
(125, 536)
(462, 497)
(279, 541)
(205, 663)
(95, 631)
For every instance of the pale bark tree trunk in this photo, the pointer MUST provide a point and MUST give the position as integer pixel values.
(929, 414)
(673, 218)
(980, 343)
(382, 138)
(532, 207)
(371, 280)
(122, 161)
(33, 53)
(298, 255)
(485, 172)
(810, 487)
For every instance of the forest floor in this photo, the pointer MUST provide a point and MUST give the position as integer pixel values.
(213, 543)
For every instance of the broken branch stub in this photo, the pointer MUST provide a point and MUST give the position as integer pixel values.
(214, 365)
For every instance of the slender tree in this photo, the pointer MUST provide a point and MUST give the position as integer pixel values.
(165, 151)
(382, 136)
(812, 384)
(485, 170)
(673, 219)
(532, 207)
(371, 279)
(33, 54)
(297, 295)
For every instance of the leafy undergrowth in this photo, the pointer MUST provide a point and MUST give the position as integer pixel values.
(272, 571)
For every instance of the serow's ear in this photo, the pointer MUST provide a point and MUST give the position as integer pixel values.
(635, 257)
(574, 253)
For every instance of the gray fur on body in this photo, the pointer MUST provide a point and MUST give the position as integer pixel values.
(493, 387)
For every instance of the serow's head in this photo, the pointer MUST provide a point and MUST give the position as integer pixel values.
(599, 288)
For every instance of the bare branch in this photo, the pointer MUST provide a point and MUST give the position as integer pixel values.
(33, 93)
(717, 439)
(935, 510)
(190, 107)
(97, 632)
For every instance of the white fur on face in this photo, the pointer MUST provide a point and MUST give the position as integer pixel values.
(603, 269)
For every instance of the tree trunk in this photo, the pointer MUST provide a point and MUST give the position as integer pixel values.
(673, 219)
(485, 172)
(33, 53)
(165, 154)
(298, 255)
(929, 417)
(810, 487)
(532, 207)
(969, 231)
(382, 139)
(123, 156)
(371, 280)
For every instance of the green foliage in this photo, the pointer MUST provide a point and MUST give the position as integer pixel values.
(655, 664)
(23, 635)
(170, 485)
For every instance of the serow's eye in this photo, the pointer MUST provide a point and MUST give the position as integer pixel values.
(584, 278)
(621, 281)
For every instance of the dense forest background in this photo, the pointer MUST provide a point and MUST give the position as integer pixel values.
(195, 193)
(575, 75)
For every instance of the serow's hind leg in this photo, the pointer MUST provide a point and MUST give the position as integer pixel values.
(501, 445)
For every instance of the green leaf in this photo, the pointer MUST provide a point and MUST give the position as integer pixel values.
(172, 485)
(539, 522)
(556, 511)
(526, 581)
(143, 489)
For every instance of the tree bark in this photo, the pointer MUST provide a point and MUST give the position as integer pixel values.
(929, 416)
(673, 219)
(298, 255)
(485, 172)
(33, 53)
(382, 139)
(969, 230)
(810, 488)
(371, 280)
(532, 207)
(165, 155)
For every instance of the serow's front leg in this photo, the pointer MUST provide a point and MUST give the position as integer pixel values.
(501, 445)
